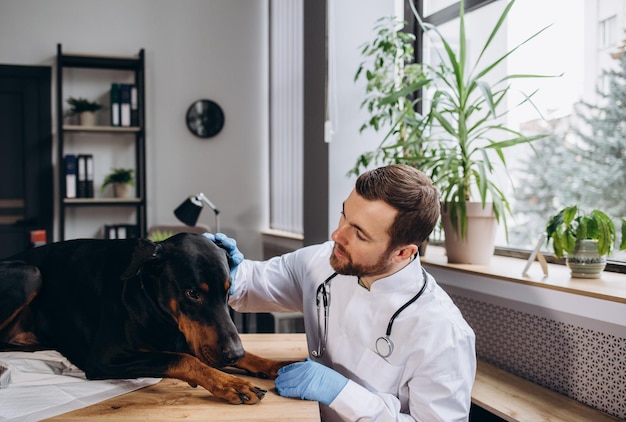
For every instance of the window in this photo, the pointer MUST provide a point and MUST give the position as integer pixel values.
(606, 32)
(286, 115)
(582, 160)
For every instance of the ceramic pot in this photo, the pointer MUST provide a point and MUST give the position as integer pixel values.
(585, 261)
(122, 190)
(479, 243)
(87, 118)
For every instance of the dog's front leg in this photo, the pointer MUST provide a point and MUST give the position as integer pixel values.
(184, 367)
(261, 367)
(233, 389)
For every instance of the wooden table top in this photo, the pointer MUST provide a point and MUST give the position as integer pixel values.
(172, 399)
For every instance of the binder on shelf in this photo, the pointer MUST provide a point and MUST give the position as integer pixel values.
(134, 106)
(71, 173)
(85, 176)
(125, 105)
(81, 191)
(115, 104)
(121, 231)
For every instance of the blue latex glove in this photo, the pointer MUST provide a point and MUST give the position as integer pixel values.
(310, 380)
(234, 256)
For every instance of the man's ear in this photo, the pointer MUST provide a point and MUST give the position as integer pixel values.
(405, 252)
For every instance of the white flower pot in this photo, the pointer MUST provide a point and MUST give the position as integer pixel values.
(586, 261)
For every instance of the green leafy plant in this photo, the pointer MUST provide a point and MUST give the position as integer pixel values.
(457, 139)
(80, 105)
(572, 224)
(391, 75)
(119, 175)
(159, 235)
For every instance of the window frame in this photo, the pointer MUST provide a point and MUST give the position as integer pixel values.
(445, 15)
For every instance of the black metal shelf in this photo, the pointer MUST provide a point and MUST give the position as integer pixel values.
(135, 64)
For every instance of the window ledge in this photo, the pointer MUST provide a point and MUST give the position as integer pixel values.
(611, 286)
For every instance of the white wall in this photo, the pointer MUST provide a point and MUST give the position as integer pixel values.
(194, 49)
(214, 49)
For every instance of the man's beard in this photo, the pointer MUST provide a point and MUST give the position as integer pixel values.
(350, 268)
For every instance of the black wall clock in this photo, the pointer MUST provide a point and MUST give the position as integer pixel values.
(205, 118)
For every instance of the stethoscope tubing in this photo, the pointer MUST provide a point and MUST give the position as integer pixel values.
(321, 344)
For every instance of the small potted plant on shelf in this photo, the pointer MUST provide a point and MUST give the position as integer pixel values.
(585, 239)
(84, 109)
(121, 179)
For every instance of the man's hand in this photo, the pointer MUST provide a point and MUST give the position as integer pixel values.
(234, 256)
(310, 380)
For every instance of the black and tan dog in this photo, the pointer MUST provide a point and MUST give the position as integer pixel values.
(130, 309)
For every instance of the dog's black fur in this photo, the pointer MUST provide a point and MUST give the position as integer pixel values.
(130, 308)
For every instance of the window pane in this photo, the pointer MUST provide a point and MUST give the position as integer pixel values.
(583, 159)
(435, 6)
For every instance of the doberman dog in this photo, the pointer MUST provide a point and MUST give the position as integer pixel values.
(131, 308)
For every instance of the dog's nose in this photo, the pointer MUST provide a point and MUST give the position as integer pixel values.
(233, 354)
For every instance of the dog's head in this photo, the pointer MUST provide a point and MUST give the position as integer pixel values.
(187, 275)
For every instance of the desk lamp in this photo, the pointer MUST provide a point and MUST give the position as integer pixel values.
(189, 211)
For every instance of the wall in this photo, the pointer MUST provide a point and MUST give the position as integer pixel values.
(213, 49)
(194, 49)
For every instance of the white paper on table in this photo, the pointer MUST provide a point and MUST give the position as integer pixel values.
(45, 384)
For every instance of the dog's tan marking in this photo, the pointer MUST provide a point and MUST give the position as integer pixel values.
(203, 340)
(262, 367)
(228, 387)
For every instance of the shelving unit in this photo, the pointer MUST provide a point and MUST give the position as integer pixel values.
(101, 71)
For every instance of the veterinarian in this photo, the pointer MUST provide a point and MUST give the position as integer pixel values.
(386, 342)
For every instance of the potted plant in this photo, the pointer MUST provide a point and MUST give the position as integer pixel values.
(121, 179)
(84, 109)
(585, 239)
(460, 139)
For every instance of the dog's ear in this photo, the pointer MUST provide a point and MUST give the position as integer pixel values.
(145, 251)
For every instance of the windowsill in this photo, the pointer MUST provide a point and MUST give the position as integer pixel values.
(611, 286)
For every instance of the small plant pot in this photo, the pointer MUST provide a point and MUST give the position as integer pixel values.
(585, 261)
(122, 190)
(87, 118)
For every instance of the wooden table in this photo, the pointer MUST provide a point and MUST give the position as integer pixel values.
(172, 399)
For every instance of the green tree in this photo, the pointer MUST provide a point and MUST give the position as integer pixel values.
(582, 162)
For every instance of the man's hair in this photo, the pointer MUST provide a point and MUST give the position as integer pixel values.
(409, 191)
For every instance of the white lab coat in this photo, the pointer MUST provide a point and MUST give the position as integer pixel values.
(429, 375)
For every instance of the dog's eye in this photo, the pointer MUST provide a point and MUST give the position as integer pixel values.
(193, 294)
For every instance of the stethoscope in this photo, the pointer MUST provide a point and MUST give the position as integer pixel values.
(384, 345)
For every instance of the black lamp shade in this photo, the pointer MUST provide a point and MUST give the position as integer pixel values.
(189, 211)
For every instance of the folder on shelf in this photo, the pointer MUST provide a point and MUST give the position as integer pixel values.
(115, 104)
(134, 106)
(125, 105)
(71, 173)
(81, 191)
(89, 165)
(121, 231)
(85, 176)
(110, 232)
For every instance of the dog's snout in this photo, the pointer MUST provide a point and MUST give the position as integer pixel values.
(232, 354)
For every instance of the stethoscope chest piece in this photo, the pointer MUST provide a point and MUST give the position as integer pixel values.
(384, 346)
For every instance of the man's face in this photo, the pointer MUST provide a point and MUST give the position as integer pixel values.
(361, 238)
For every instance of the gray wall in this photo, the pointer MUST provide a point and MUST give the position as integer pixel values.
(214, 49)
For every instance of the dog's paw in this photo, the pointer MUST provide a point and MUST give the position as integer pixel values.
(241, 392)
